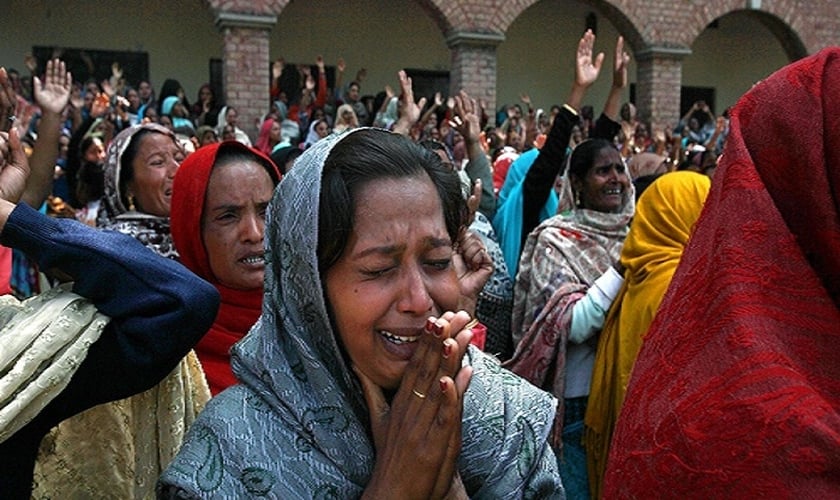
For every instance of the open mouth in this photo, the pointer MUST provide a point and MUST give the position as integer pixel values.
(396, 339)
(253, 259)
(613, 191)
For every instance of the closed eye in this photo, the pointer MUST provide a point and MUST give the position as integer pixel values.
(440, 265)
(377, 273)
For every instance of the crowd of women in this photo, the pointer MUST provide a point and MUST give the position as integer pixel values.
(386, 296)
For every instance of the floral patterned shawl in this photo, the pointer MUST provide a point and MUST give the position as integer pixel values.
(562, 257)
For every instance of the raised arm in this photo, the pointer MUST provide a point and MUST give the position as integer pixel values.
(539, 180)
(52, 95)
(158, 309)
(409, 111)
(8, 101)
(607, 126)
(620, 63)
(466, 122)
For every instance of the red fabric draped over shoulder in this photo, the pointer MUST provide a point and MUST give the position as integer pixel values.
(239, 309)
(736, 391)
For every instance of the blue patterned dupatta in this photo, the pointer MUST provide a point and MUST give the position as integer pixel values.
(297, 425)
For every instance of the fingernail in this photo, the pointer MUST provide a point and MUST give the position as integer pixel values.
(430, 325)
(443, 384)
(438, 329)
(447, 348)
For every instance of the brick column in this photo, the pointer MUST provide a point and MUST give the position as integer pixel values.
(473, 67)
(658, 81)
(246, 65)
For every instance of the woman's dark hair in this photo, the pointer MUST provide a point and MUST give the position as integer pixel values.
(171, 87)
(435, 146)
(127, 161)
(583, 156)
(235, 152)
(368, 155)
(90, 182)
(282, 156)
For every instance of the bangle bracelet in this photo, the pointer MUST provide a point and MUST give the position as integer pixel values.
(570, 109)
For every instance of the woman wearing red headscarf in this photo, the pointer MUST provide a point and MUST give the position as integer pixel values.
(736, 390)
(219, 200)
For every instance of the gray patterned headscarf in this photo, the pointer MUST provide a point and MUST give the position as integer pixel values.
(297, 425)
(152, 231)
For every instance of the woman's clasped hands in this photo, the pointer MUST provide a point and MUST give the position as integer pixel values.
(417, 434)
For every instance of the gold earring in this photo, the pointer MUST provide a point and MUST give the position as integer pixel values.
(131, 203)
(577, 198)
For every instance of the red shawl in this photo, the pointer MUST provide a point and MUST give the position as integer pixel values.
(736, 391)
(239, 309)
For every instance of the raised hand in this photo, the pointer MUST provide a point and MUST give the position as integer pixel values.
(587, 68)
(340, 65)
(466, 120)
(53, 93)
(8, 101)
(659, 136)
(620, 64)
(100, 105)
(116, 71)
(15, 167)
(473, 265)
(319, 61)
(408, 110)
(107, 88)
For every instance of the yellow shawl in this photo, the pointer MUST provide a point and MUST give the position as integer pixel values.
(665, 215)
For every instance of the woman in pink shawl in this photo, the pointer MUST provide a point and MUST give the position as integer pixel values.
(269, 136)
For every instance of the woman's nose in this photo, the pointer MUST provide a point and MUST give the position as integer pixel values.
(415, 297)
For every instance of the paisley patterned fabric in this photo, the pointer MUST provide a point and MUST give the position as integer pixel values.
(562, 257)
(297, 425)
(44, 341)
(736, 390)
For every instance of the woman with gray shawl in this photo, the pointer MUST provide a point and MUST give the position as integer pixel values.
(353, 382)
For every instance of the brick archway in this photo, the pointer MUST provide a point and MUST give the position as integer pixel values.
(782, 18)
